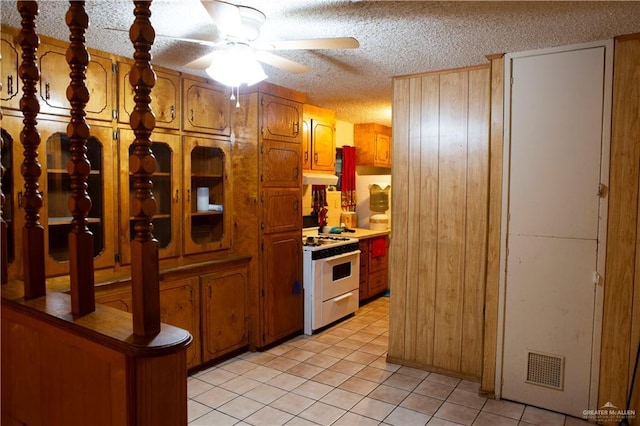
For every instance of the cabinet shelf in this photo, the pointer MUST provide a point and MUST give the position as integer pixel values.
(155, 216)
(66, 220)
(66, 172)
(207, 175)
(207, 213)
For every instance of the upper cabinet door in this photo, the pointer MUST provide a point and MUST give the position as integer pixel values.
(207, 206)
(280, 164)
(318, 139)
(281, 119)
(54, 81)
(373, 144)
(166, 191)
(165, 97)
(383, 150)
(55, 215)
(10, 93)
(206, 107)
(323, 140)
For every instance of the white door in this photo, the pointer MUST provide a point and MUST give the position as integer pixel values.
(557, 151)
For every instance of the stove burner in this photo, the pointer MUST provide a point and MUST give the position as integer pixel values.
(321, 240)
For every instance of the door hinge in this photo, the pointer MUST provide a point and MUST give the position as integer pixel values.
(114, 67)
(261, 148)
(262, 197)
(597, 278)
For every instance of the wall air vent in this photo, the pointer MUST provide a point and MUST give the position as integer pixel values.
(545, 370)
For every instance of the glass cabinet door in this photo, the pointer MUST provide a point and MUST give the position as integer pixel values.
(56, 214)
(166, 225)
(207, 224)
(6, 156)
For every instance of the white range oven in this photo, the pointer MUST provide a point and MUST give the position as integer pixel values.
(331, 277)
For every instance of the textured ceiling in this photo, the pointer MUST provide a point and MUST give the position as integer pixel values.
(396, 38)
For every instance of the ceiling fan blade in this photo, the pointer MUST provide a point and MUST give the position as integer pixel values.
(281, 63)
(318, 43)
(189, 40)
(226, 16)
(203, 62)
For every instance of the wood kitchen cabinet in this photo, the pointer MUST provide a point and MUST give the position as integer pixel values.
(210, 300)
(54, 184)
(281, 119)
(267, 160)
(225, 312)
(318, 139)
(165, 96)
(373, 144)
(280, 165)
(207, 167)
(11, 88)
(374, 266)
(7, 156)
(53, 84)
(282, 210)
(167, 192)
(282, 297)
(179, 306)
(206, 107)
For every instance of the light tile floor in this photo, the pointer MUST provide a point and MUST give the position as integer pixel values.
(341, 377)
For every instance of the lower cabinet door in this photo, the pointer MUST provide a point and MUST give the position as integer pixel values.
(282, 286)
(179, 306)
(225, 312)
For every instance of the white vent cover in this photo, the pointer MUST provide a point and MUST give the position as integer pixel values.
(545, 370)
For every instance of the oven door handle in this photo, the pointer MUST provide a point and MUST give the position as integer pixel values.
(340, 256)
(344, 296)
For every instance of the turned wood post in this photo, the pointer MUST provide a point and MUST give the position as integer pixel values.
(32, 232)
(80, 237)
(145, 273)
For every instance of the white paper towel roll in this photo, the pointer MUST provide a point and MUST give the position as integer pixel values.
(203, 199)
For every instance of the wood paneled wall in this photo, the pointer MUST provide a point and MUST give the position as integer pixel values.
(441, 205)
(621, 321)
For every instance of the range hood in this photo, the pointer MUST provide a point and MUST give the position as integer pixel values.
(310, 178)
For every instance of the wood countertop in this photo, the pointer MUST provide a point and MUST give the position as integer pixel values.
(360, 233)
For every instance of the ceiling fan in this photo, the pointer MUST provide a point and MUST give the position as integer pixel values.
(238, 30)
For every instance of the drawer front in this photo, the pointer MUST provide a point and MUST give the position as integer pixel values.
(378, 263)
(378, 282)
(338, 307)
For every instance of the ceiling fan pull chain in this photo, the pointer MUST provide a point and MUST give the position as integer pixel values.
(233, 96)
(237, 97)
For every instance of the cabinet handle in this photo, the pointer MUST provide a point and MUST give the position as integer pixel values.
(177, 197)
(296, 171)
(47, 92)
(188, 195)
(10, 84)
(315, 158)
(306, 155)
(210, 292)
(295, 205)
(296, 127)
(192, 114)
(173, 112)
(20, 199)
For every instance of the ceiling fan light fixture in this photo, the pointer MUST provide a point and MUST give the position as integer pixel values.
(236, 65)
